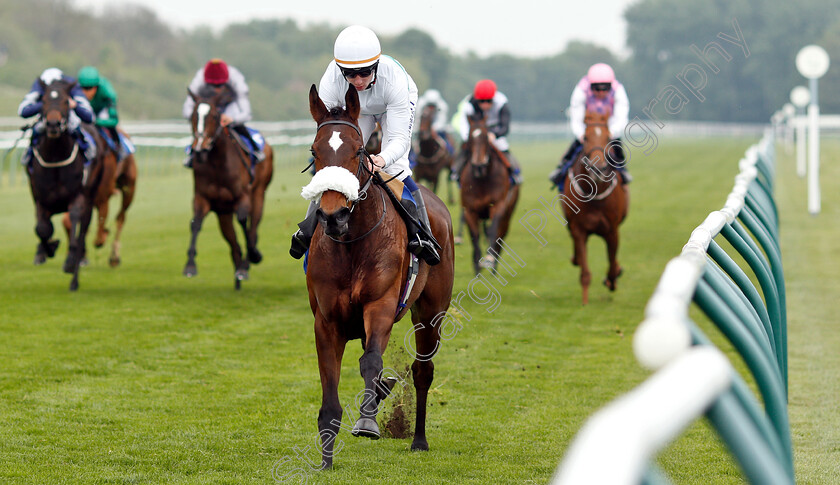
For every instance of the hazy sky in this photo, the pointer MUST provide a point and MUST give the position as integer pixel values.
(521, 27)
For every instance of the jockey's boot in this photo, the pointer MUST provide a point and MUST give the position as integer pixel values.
(420, 244)
(558, 175)
(515, 170)
(303, 236)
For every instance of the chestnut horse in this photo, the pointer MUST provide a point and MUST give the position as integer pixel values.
(358, 266)
(432, 155)
(60, 181)
(487, 193)
(225, 182)
(595, 188)
(116, 177)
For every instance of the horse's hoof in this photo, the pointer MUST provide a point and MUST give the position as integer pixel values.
(69, 267)
(40, 259)
(84, 262)
(458, 240)
(419, 445)
(237, 285)
(366, 427)
(52, 246)
(254, 256)
(241, 275)
(74, 285)
(487, 262)
(190, 271)
(114, 261)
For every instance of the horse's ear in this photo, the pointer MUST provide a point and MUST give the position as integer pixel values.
(42, 84)
(225, 97)
(72, 86)
(192, 95)
(351, 100)
(316, 107)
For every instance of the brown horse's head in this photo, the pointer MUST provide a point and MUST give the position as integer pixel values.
(426, 118)
(339, 154)
(206, 119)
(478, 145)
(56, 107)
(596, 138)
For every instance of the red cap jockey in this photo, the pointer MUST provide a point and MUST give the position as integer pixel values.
(484, 90)
(215, 72)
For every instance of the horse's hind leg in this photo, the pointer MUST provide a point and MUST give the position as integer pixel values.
(128, 182)
(614, 270)
(257, 206)
(427, 340)
(330, 346)
(103, 196)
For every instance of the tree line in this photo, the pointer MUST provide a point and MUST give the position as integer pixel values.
(687, 59)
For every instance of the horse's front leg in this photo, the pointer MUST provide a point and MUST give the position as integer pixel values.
(471, 219)
(44, 230)
(74, 254)
(240, 265)
(200, 209)
(84, 225)
(330, 346)
(379, 319)
(614, 270)
(579, 237)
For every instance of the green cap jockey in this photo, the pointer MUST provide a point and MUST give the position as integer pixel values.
(104, 100)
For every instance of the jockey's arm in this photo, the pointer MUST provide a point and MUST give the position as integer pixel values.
(577, 111)
(503, 127)
(397, 129)
(82, 109)
(620, 115)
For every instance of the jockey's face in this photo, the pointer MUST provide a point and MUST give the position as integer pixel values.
(359, 78)
(485, 104)
(601, 90)
(90, 92)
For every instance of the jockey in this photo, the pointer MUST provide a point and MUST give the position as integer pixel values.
(486, 99)
(388, 95)
(81, 112)
(103, 99)
(597, 91)
(440, 122)
(217, 73)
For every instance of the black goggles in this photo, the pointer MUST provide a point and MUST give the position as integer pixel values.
(361, 72)
(601, 86)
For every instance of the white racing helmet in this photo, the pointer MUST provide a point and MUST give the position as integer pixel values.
(51, 74)
(356, 47)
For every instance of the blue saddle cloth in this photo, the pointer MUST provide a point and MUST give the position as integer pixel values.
(254, 144)
(127, 146)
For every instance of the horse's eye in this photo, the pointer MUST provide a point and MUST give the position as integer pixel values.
(312, 151)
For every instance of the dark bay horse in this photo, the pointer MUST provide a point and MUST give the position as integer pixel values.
(116, 177)
(487, 193)
(432, 155)
(60, 181)
(225, 182)
(358, 266)
(593, 185)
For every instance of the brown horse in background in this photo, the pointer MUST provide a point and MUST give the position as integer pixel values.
(374, 143)
(358, 266)
(594, 186)
(432, 155)
(60, 181)
(225, 182)
(487, 193)
(116, 177)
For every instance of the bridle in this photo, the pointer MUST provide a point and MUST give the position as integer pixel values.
(198, 134)
(62, 128)
(362, 169)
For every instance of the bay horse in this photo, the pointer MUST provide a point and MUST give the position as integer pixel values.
(358, 266)
(116, 177)
(487, 193)
(595, 188)
(225, 182)
(432, 155)
(60, 181)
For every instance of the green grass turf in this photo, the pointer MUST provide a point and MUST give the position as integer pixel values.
(144, 376)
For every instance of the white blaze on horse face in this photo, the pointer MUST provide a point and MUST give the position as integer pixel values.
(53, 94)
(597, 131)
(476, 132)
(201, 111)
(335, 141)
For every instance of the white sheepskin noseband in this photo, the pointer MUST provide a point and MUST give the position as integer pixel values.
(331, 178)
